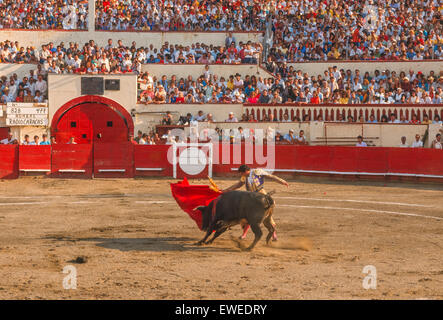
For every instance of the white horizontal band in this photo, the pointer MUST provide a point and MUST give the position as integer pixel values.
(71, 170)
(355, 173)
(111, 170)
(149, 169)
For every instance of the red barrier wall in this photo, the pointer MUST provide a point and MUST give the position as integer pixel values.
(350, 161)
(372, 160)
(429, 162)
(35, 159)
(8, 161)
(72, 157)
(143, 160)
(155, 157)
(111, 157)
(308, 160)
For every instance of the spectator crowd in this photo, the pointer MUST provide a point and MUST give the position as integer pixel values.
(358, 30)
(118, 58)
(302, 30)
(28, 142)
(333, 86)
(32, 88)
(182, 15)
(44, 14)
(288, 86)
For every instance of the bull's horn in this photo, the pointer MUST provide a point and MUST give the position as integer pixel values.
(199, 208)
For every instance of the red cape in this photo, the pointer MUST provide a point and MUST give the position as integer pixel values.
(189, 197)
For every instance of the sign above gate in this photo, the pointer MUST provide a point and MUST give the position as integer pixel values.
(26, 114)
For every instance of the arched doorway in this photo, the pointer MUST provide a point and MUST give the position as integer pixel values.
(104, 125)
(92, 119)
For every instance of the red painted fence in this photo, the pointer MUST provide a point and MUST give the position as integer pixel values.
(114, 160)
(85, 160)
(360, 161)
(8, 161)
(152, 161)
(72, 160)
(34, 159)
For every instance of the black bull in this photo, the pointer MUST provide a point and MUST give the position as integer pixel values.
(236, 207)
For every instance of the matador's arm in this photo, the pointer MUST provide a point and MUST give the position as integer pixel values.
(277, 179)
(236, 186)
(272, 177)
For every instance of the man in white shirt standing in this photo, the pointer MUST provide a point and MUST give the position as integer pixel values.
(231, 118)
(72, 141)
(8, 140)
(41, 85)
(143, 139)
(417, 143)
(403, 143)
(437, 143)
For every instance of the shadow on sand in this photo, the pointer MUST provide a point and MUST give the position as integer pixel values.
(159, 244)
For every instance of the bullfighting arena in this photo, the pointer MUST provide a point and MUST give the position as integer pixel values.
(128, 239)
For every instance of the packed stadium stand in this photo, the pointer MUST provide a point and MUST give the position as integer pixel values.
(322, 67)
(44, 15)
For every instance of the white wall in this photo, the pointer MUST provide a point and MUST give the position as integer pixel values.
(8, 69)
(382, 135)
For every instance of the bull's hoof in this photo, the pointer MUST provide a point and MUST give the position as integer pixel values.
(248, 249)
(199, 243)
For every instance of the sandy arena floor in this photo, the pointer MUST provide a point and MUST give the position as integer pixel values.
(136, 243)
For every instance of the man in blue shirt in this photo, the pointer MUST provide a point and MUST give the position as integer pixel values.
(360, 142)
(45, 140)
(372, 119)
(249, 89)
(289, 137)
